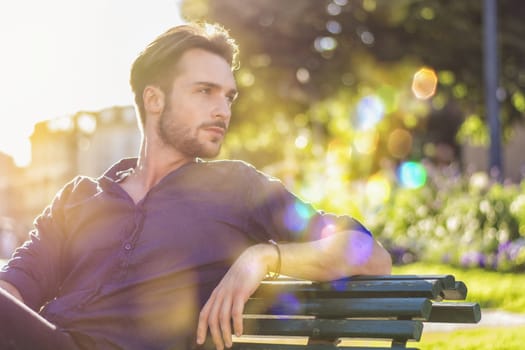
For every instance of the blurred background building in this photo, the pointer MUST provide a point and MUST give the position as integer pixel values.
(86, 143)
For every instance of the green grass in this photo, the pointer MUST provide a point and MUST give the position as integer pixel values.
(493, 290)
(474, 339)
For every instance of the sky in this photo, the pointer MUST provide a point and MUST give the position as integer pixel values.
(58, 57)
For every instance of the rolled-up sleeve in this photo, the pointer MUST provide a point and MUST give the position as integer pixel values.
(283, 216)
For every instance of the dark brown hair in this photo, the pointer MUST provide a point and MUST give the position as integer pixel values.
(156, 65)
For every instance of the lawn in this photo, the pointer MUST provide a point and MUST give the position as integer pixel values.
(475, 339)
(492, 290)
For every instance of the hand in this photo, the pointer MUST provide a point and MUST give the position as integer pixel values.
(228, 298)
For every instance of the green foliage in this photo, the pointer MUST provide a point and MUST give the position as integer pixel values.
(308, 70)
(328, 42)
(464, 221)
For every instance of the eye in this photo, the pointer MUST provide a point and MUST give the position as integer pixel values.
(231, 98)
(205, 90)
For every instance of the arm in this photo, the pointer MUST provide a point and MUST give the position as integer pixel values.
(338, 255)
(34, 267)
(8, 287)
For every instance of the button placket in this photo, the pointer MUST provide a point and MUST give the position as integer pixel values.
(130, 242)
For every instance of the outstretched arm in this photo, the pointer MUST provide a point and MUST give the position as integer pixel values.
(338, 255)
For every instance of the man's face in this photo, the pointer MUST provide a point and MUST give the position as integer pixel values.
(197, 111)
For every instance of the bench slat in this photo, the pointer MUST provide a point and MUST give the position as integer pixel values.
(254, 346)
(447, 280)
(355, 289)
(333, 329)
(455, 312)
(337, 308)
(459, 292)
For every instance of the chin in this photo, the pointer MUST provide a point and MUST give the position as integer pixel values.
(209, 153)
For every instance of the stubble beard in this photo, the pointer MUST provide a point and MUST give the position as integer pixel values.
(181, 138)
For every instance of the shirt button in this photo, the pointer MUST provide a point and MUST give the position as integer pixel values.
(128, 246)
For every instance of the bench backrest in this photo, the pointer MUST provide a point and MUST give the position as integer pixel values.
(324, 315)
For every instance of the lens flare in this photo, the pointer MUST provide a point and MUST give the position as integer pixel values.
(288, 304)
(297, 216)
(370, 111)
(412, 175)
(328, 230)
(424, 83)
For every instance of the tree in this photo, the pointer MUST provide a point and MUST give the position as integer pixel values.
(303, 56)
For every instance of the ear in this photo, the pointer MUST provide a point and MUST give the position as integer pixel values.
(154, 99)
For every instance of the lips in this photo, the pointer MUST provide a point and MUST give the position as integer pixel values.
(216, 130)
(216, 127)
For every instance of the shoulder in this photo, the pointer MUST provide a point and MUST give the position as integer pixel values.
(236, 169)
(77, 189)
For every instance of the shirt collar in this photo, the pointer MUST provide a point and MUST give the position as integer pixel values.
(120, 170)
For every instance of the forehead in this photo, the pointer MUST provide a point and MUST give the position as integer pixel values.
(198, 65)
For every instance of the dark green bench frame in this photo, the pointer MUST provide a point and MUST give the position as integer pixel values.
(363, 307)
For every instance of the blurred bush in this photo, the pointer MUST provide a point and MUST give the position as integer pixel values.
(467, 221)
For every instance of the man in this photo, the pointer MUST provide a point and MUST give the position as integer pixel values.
(165, 248)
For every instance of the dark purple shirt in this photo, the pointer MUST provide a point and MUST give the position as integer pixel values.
(120, 275)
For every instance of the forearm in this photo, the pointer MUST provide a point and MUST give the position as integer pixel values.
(338, 255)
(8, 287)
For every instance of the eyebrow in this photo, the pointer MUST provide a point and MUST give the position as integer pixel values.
(233, 93)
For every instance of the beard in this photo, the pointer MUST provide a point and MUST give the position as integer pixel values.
(183, 139)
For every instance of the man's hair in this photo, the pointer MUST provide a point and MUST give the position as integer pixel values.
(156, 65)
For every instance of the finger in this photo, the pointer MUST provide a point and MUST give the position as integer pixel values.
(202, 327)
(213, 323)
(237, 311)
(225, 321)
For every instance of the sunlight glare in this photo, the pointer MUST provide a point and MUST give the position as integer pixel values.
(64, 56)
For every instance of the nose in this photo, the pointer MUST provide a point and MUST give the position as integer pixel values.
(223, 109)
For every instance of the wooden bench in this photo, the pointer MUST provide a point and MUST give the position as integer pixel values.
(333, 315)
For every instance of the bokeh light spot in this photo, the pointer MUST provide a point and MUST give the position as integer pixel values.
(87, 123)
(378, 189)
(333, 9)
(399, 143)
(370, 111)
(301, 141)
(366, 142)
(369, 5)
(245, 78)
(367, 38)
(325, 43)
(412, 175)
(518, 100)
(333, 27)
(446, 77)
(424, 83)
(428, 13)
(302, 75)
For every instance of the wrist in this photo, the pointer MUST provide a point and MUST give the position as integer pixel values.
(276, 271)
(270, 258)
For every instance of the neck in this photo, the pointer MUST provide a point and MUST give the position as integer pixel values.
(155, 161)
